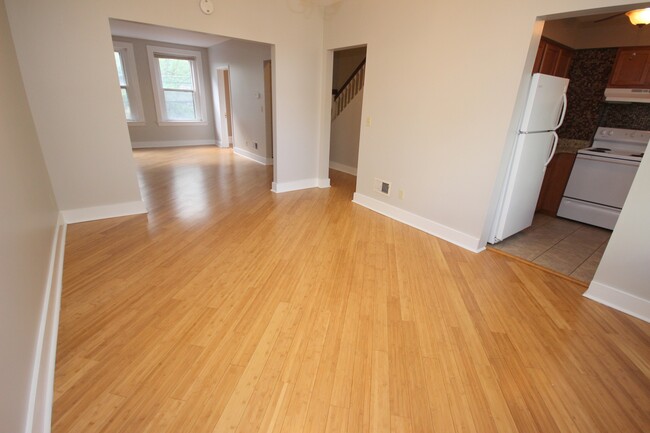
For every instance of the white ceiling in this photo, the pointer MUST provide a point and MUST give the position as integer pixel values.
(130, 29)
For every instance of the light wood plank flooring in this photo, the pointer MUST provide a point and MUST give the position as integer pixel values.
(232, 309)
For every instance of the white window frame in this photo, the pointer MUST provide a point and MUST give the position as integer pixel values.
(158, 92)
(132, 88)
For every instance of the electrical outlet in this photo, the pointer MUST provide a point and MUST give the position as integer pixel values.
(368, 121)
(400, 194)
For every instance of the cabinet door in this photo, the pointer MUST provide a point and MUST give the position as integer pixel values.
(555, 181)
(631, 68)
(563, 64)
(553, 59)
(550, 59)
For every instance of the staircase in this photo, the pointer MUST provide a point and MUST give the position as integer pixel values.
(342, 97)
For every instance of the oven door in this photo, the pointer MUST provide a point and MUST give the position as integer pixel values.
(601, 180)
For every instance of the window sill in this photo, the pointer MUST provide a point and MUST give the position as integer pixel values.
(136, 123)
(182, 123)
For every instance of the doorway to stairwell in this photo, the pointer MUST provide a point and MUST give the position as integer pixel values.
(349, 66)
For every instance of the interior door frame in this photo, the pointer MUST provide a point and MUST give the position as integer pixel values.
(226, 132)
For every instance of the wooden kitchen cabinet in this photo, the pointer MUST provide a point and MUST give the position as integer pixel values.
(553, 59)
(555, 181)
(631, 68)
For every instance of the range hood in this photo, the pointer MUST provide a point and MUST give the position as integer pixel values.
(627, 95)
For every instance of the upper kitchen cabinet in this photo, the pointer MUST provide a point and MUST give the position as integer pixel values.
(553, 59)
(631, 68)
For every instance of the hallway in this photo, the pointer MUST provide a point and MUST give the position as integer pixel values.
(229, 308)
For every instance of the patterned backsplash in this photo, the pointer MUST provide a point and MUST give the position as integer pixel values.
(587, 110)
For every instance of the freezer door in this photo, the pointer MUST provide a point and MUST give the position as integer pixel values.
(524, 183)
(545, 104)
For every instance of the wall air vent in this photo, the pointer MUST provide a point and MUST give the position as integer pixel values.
(382, 187)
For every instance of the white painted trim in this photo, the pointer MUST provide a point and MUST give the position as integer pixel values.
(171, 143)
(454, 236)
(279, 187)
(182, 123)
(133, 83)
(252, 156)
(41, 394)
(324, 183)
(72, 216)
(619, 300)
(344, 168)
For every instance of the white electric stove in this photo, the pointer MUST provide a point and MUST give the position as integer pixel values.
(602, 175)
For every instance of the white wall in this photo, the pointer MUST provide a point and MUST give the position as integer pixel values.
(80, 118)
(344, 137)
(445, 135)
(246, 62)
(623, 277)
(151, 132)
(28, 216)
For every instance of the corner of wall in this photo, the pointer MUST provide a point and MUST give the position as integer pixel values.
(41, 396)
(448, 234)
(619, 300)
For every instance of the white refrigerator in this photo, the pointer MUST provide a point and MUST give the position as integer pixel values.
(536, 143)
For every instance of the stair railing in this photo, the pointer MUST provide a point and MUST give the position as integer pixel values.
(349, 89)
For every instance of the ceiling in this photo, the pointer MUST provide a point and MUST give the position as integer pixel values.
(131, 29)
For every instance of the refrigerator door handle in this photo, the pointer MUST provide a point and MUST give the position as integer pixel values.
(553, 148)
(564, 104)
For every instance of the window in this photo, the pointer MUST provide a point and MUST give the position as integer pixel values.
(177, 76)
(128, 79)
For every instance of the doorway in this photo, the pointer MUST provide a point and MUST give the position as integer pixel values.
(225, 106)
(268, 105)
(348, 79)
(584, 50)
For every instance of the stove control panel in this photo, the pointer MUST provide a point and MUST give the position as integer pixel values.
(622, 135)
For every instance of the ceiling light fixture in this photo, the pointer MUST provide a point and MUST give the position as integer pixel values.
(639, 17)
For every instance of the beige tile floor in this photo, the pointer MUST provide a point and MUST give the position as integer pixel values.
(565, 246)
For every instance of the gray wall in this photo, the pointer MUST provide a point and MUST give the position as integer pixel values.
(151, 132)
(344, 137)
(28, 216)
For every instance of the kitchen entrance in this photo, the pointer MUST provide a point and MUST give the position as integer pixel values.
(601, 142)
(568, 247)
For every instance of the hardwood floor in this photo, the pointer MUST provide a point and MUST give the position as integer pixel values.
(229, 308)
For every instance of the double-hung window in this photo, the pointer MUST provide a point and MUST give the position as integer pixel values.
(177, 76)
(128, 80)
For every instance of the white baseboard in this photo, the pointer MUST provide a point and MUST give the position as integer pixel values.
(171, 143)
(252, 156)
(72, 216)
(324, 183)
(619, 300)
(344, 168)
(41, 395)
(296, 185)
(454, 236)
